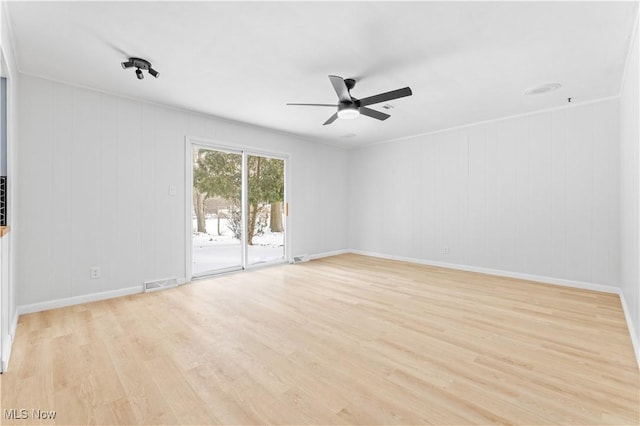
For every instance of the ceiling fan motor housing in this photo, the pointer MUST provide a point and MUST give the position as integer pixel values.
(345, 106)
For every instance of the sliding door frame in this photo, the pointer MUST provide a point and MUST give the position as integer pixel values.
(190, 143)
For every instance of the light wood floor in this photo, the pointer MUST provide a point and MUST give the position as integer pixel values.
(343, 340)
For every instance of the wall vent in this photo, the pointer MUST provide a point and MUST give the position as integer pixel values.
(163, 284)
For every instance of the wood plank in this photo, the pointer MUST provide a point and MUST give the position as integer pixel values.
(342, 340)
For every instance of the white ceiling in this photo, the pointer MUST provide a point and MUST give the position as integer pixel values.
(466, 62)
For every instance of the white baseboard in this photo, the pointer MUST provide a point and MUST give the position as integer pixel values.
(328, 254)
(85, 298)
(76, 300)
(542, 279)
(632, 331)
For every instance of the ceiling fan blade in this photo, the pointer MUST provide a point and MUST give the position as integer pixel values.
(331, 119)
(340, 88)
(373, 113)
(329, 105)
(383, 97)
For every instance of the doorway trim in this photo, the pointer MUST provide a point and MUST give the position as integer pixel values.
(190, 142)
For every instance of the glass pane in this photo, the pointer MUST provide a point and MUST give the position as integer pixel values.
(216, 207)
(265, 202)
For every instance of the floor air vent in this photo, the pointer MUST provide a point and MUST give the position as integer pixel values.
(156, 285)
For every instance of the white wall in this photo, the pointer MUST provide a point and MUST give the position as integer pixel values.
(630, 189)
(536, 195)
(94, 177)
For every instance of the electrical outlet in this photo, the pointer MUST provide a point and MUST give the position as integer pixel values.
(95, 272)
(446, 250)
(172, 190)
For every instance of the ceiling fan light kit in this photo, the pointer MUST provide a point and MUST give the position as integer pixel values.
(139, 65)
(350, 107)
(348, 111)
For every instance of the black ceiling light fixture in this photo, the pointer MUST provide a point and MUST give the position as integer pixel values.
(140, 64)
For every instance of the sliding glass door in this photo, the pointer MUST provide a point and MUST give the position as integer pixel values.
(238, 210)
(217, 211)
(265, 209)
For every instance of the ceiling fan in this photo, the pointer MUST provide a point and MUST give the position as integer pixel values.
(350, 107)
